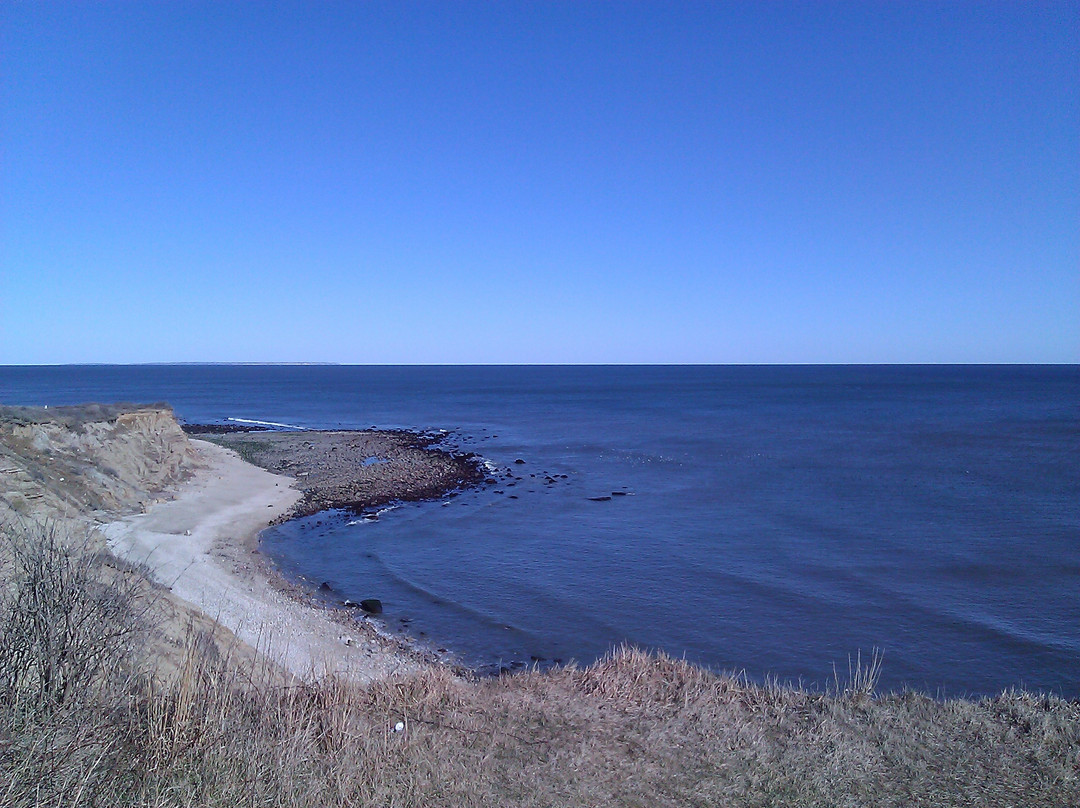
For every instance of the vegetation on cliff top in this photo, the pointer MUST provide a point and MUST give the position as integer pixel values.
(84, 722)
(73, 416)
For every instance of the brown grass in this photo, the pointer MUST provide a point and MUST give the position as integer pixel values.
(72, 417)
(633, 729)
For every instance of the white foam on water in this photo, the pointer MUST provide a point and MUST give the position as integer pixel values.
(367, 520)
(265, 423)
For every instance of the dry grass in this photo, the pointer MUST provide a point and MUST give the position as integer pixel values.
(633, 729)
(72, 417)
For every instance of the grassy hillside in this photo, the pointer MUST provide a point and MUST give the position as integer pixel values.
(87, 719)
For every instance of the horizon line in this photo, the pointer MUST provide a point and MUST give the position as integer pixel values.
(537, 364)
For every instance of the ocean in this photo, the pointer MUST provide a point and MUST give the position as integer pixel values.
(771, 520)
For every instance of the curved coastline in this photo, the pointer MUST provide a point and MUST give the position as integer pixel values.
(202, 545)
(189, 512)
(324, 470)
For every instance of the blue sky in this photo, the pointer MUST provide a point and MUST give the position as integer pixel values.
(540, 182)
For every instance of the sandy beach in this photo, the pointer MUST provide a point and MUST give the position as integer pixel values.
(202, 545)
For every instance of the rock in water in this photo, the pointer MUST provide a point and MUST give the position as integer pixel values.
(371, 605)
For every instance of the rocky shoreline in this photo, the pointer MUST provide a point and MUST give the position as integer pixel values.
(353, 470)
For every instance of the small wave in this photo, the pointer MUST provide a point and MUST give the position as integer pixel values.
(265, 423)
(447, 603)
(371, 516)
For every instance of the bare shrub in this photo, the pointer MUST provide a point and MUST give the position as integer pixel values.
(64, 622)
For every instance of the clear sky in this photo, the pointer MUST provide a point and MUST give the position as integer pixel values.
(394, 182)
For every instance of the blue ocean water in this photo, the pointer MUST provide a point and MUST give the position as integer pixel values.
(775, 519)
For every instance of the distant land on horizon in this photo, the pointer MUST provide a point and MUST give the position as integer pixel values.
(542, 364)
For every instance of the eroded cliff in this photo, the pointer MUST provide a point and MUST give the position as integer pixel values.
(67, 462)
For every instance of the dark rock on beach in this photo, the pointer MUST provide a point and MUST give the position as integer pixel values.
(371, 605)
(220, 429)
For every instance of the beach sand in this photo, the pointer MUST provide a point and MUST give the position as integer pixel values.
(202, 545)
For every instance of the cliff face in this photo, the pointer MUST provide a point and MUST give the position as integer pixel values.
(67, 461)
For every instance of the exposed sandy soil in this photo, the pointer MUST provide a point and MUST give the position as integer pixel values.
(78, 462)
(203, 546)
(190, 511)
